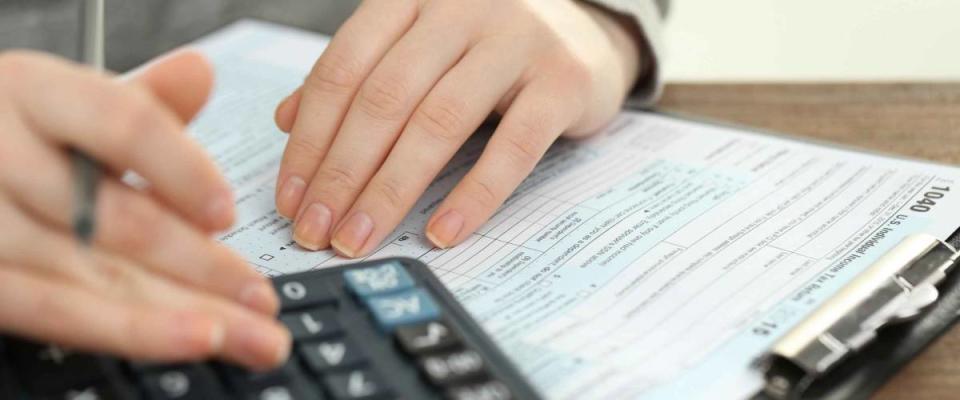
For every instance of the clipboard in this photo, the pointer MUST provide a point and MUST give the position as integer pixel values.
(866, 332)
(860, 371)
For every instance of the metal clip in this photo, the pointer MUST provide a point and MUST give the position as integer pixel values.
(898, 286)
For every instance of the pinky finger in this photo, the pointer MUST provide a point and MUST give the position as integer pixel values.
(535, 120)
(287, 110)
(53, 311)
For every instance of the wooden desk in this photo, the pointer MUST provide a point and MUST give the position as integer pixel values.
(918, 120)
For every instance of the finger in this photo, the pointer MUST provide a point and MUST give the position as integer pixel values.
(171, 74)
(125, 126)
(286, 112)
(253, 340)
(377, 115)
(58, 312)
(327, 92)
(131, 223)
(450, 113)
(32, 244)
(538, 116)
(134, 225)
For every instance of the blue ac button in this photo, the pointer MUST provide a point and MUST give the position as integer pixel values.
(410, 306)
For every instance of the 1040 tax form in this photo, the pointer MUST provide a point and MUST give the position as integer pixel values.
(655, 260)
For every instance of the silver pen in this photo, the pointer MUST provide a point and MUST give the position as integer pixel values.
(87, 171)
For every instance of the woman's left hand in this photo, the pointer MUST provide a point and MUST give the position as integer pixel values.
(405, 82)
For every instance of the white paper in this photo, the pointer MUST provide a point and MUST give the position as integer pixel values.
(656, 260)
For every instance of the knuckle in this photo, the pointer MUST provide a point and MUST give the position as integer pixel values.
(578, 73)
(14, 63)
(382, 98)
(524, 147)
(337, 178)
(391, 193)
(481, 192)
(305, 147)
(333, 73)
(133, 223)
(115, 279)
(51, 305)
(442, 121)
(133, 114)
(17, 64)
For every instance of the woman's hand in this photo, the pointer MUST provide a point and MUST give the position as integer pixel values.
(154, 285)
(405, 82)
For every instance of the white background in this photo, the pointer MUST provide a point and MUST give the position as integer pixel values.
(813, 40)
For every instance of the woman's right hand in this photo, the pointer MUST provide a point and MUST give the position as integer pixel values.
(154, 285)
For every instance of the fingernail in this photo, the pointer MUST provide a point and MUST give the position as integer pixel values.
(445, 229)
(291, 193)
(219, 212)
(217, 334)
(264, 344)
(196, 334)
(350, 239)
(259, 296)
(312, 226)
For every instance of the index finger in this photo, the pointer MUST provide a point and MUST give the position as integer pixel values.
(169, 75)
(125, 125)
(330, 88)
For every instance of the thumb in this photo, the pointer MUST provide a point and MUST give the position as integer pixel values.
(181, 80)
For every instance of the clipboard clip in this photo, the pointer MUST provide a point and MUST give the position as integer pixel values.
(898, 286)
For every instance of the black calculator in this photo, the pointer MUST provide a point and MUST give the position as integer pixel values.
(384, 329)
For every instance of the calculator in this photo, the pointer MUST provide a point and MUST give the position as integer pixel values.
(385, 329)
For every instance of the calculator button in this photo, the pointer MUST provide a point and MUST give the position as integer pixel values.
(448, 368)
(191, 382)
(330, 354)
(489, 390)
(53, 369)
(141, 367)
(311, 324)
(425, 338)
(287, 391)
(407, 307)
(302, 292)
(289, 385)
(380, 279)
(99, 391)
(355, 384)
(246, 379)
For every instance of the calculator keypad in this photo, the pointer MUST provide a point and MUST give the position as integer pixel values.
(426, 337)
(361, 383)
(453, 367)
(375, 280)
(331, 354)
(190, 382)
(311, 324)
(297, 292)
(373, 331)
(410, 306)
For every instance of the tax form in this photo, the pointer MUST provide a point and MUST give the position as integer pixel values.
(655, 260)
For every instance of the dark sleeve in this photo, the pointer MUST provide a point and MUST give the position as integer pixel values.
(138, 30)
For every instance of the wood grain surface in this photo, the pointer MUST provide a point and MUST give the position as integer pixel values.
(917, 120)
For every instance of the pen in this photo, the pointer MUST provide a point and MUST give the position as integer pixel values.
(86, 170)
